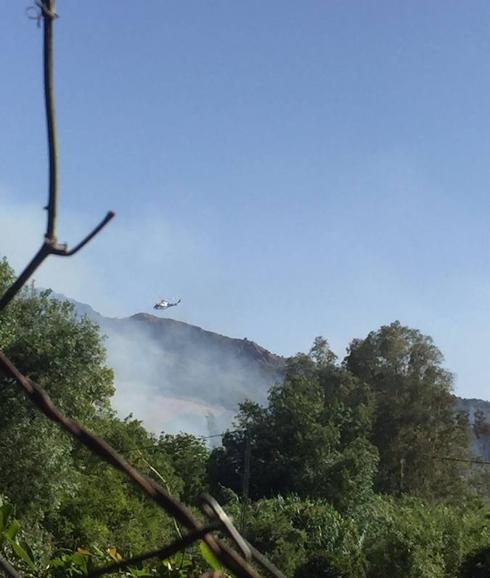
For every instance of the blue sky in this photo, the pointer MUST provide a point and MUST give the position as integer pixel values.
(289, 169)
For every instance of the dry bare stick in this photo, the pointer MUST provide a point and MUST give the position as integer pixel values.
(97, 445)
(165, 485)
(50, 245)
(36, 393)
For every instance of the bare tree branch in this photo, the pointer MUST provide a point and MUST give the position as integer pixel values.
(89, 237)
(8, 570)
(22, 279)
(39, 397)
(50, 245)
(48, 14)
(42, 401)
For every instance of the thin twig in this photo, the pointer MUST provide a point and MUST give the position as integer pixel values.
(265, 562)
(48, 248)
(42, 401)
(249, 552)
(165, 485)
(22, 279)
(212, 509)
(162, 553)
(89, 237)
(48, 14)
(8, 570)
(39, 397)
(464, 460)
(50, 244)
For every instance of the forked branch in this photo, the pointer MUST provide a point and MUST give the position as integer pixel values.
(50, 246)
(40, 398)
(237, 564)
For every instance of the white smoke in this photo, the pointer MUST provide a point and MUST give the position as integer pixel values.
(125, 263)
(196, 390)
(117, 271)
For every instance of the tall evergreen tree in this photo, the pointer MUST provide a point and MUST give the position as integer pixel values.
(416, 422)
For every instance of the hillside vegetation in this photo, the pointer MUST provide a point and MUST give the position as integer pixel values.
(193, 379)
(357, 468)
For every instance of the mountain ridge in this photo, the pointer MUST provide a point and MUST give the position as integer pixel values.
(177, 376)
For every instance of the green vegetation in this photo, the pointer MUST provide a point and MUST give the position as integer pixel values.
(312, 440)
(338, 476)
(415, 419)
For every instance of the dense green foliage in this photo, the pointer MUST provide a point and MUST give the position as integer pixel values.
(65, 497)
(415, 419)
(67, 357)
(339, 475)
(311, 440)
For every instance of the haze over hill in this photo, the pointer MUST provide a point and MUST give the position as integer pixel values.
(179, 377)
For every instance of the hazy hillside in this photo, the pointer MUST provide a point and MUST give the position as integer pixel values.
(176, 376)
(481, 442)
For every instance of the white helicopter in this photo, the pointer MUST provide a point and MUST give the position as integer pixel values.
(165, 304)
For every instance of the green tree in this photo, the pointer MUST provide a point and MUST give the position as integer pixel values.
(300, 534)
(411, 538)
(311, 439)
(107, 510)
(188, 456)
(271, 529)
(49, 344)
(416, 421)
(322, 565)
(59, 489)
